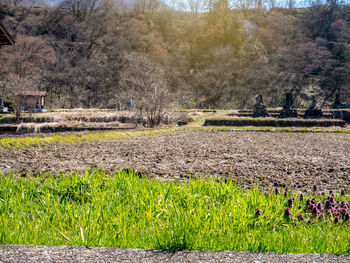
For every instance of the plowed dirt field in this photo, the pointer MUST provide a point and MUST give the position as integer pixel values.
(299, 160)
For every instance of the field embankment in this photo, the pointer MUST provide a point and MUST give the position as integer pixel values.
(69, 120)
(244, 121)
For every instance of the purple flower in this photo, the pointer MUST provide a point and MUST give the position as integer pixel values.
(288, 214)
(314, 188)
(258, 211)
(300, 217)
(336, 212)
(301, 196)
(343, 212)
(308, 203)
(330, 191)
(342, 192)
(336, 219)
(277, 190)
(299, 207)
(347, 216)
(291, 201)
(327, 204)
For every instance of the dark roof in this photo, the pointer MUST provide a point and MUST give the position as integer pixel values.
(5, 37)
(31, 93)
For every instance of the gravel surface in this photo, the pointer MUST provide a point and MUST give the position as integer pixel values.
(30, 254)
(299, 160)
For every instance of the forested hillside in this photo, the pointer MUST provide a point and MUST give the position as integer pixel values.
(94, 57)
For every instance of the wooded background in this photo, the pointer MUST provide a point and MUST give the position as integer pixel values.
(94, 53)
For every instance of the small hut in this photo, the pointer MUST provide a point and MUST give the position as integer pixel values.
(5, 37)
(33, 101)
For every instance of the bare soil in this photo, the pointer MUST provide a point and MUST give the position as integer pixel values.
(274, 159)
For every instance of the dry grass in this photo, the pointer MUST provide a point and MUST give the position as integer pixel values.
(273, 122)
(88, 115)
(67, 125)
(70, 120)
(78, 119)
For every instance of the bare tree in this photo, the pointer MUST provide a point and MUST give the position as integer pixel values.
(15, 83)
(11, 2)
(81, 8)
(147, 6)
(244, 4)
(26, 56)
(145, 84)
(196, 6)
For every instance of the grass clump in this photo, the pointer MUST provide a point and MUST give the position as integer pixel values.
(124, 210)
(45, 139)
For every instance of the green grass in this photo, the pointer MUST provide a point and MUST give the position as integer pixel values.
(124, 210)
(44, 139)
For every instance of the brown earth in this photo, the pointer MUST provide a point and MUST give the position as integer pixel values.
(275, 159)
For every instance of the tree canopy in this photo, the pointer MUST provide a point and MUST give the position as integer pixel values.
(93, 54)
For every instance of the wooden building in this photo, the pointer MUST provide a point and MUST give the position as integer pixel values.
(33, 101)
(5, 37)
